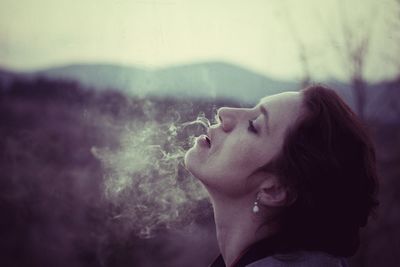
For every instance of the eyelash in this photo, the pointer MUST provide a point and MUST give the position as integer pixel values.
(251, 127)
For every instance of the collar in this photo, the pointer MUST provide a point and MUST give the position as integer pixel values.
(261, 249)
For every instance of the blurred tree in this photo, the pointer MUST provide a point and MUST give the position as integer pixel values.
(353, 52)
(304, 56)
(393, 23)
(351, 46)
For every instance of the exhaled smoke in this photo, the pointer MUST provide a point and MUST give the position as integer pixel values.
(145, 179)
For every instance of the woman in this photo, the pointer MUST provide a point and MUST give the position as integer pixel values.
(291, 180)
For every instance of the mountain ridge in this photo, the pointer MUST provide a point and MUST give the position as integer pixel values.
(213, 80)
(208, 79)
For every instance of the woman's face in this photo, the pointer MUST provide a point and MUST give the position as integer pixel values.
(244, 140)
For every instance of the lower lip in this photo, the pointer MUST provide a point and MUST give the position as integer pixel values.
(201, 140)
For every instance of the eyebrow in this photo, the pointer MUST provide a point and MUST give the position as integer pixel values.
(266, 116)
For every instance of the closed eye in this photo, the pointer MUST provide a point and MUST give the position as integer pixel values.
(251, 127)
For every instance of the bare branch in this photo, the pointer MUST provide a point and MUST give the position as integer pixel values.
(303, 55)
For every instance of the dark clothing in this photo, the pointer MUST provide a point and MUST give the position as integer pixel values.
(263, 254)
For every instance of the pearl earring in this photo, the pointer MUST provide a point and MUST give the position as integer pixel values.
(256, 209)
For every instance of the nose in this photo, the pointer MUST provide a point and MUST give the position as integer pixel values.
(227, 118)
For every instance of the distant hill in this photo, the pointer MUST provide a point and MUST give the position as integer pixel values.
(204, 80)
(214, 79)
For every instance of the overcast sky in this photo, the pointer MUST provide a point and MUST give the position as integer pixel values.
(257, 34)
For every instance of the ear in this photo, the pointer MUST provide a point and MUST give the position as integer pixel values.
(273, 194)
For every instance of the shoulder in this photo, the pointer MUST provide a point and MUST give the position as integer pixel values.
(300, 259)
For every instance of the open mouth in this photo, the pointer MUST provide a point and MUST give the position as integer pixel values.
(208, 141)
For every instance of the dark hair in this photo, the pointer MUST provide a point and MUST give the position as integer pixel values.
(328, 160)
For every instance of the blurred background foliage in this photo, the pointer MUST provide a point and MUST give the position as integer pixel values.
(54, 212)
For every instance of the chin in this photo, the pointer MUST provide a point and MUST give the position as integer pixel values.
(193, 162)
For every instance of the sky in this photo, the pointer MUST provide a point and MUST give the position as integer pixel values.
(262, 35)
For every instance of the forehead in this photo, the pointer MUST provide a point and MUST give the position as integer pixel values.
(284, 108)
(292, 98)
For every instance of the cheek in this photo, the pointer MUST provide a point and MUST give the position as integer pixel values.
(239, 157)
(250, 156)
(244, 158)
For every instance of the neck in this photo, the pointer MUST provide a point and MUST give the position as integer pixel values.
(237, 227)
